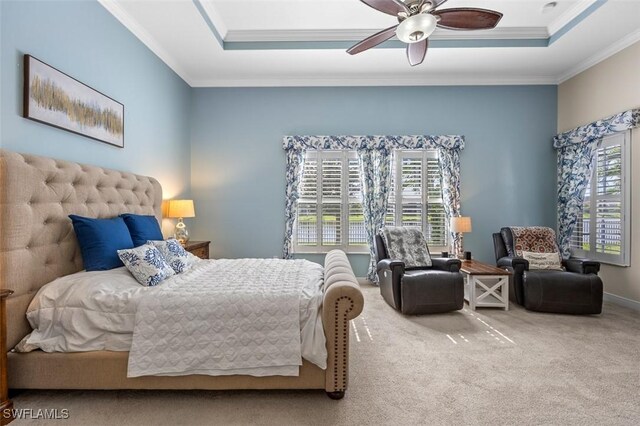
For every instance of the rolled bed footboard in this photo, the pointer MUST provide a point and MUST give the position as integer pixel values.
(342, 302)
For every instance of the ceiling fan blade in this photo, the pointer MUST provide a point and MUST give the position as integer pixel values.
(373, 40)
(438, 3)
(468, 18)
(417, 51)
(391, 7)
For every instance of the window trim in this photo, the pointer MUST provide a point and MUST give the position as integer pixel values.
(424, 156)
(344, 156)
(623, 259)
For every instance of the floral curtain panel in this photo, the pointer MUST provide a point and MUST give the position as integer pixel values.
(449, 160)
(375, 169)
(295, 163)
(374, 154)
(576, 151)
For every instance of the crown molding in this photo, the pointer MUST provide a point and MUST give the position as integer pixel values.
(215, 17)
(531, 33)
(321, 35)
(570, 14)
(384, 80)
(134, 27)
(600, 56)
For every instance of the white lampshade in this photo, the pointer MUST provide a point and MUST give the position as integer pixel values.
(416, 28)
(461, 224)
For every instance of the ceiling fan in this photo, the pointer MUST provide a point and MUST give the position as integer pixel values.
(418, 19)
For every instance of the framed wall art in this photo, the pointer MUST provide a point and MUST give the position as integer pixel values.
(54, 98)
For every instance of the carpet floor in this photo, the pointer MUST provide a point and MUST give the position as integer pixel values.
(488, 367)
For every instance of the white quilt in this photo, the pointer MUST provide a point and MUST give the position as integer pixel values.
(93, 311)
(229, 316)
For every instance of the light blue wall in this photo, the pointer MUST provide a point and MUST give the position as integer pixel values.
(84, 40)
(238, 165)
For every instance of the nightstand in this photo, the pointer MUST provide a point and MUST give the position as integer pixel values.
(198, 248)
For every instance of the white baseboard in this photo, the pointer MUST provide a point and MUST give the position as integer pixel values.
(622, 301)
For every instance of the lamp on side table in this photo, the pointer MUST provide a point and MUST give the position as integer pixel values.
(460, 225)
(180, 209)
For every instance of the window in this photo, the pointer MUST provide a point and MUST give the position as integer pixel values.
(602, 230)
(330, 201)
(415, 198)
(330, 204)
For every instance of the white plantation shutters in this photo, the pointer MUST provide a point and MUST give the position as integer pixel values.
(330, 213)
(415, 196)
(357, 233)
(602, 231)
(330, 188)
(307, 220)
(330, 204)
(436, 231)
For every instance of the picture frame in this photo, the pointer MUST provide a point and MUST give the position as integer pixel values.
(56, 99)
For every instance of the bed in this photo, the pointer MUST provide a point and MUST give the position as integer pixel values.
(38, 245)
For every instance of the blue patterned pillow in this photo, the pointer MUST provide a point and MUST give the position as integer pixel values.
(177, 257)
(146, 264)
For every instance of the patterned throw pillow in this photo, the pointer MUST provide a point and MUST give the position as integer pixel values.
(407, 245)
(546, 261)
(177, 257)
(146, 264)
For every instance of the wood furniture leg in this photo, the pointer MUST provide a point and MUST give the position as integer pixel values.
(6, 405)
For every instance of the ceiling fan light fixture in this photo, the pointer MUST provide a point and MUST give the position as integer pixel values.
(416, 28)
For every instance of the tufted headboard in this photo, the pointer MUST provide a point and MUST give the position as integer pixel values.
(37, 242)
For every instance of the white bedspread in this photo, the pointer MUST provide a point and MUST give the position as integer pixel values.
(93, 311)
(239, 316)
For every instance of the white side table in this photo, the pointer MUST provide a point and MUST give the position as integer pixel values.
(485, 285)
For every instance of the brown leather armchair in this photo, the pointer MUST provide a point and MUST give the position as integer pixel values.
(425, 290)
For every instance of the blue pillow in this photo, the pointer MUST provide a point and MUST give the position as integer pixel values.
(142, 228)
(100, 240)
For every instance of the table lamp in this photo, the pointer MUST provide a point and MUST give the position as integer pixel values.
(460, 225)
(181, 209)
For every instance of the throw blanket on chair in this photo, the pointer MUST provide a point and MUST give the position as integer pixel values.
(536, 239)
(407, 245)
(538, 245)
(228, 316)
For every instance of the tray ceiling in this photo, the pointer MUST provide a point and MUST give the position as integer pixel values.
(303, 42)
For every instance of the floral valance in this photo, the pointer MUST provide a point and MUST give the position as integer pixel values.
(303, 143)
(599, 129)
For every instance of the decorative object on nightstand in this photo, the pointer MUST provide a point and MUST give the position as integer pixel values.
(181, 209)
(460, 225)
(198, 248)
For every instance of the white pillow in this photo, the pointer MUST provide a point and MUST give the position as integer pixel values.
(146, 264)
(176, 256)
(550, 261)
